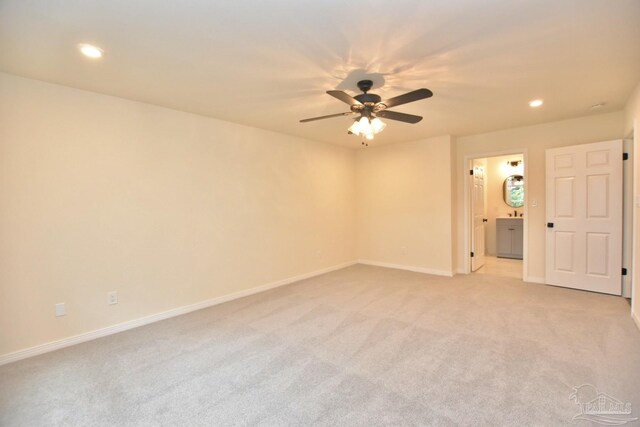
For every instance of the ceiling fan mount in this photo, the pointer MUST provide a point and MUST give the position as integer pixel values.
(365, 85)
(370, 107)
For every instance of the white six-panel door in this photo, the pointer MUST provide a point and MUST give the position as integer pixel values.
(584, 217)
(477, 238)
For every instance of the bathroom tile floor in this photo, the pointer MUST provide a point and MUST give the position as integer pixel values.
(504, 267)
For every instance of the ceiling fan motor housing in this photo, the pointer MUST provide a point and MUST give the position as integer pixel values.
(368, 100)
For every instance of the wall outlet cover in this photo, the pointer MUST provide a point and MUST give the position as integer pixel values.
(112, 298)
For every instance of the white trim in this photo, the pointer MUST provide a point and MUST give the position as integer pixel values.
(406, 267)
(636, 320)
(628, 207)
(635, 227)
(466, 240)
(533, 279)
(130, 324)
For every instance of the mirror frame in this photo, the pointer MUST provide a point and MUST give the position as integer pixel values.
(505, 187)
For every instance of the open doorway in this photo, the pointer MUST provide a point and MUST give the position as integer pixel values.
(497, 215)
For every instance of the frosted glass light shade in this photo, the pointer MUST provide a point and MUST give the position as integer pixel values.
(366, 127)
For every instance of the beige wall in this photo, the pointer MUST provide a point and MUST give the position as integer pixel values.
(405, 205)
(632, 130)
(168, 208)
(496, 171)
(534, 140)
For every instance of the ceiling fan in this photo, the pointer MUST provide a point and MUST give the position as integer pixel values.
(369, 107)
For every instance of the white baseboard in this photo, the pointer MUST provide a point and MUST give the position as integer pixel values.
(130, 324)
(636, 319)
(534, 279)
(407, 267)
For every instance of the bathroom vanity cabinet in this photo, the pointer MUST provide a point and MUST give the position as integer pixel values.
(509, 237)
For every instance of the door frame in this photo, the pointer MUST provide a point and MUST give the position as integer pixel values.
(468, 163)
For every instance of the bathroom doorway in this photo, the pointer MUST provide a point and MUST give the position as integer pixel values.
(497, 215)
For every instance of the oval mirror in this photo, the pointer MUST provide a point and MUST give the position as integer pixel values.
(513, 191)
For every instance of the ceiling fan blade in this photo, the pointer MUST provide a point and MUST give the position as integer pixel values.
(344, 97)
(326, 117)
(415, 95)
(401, 117)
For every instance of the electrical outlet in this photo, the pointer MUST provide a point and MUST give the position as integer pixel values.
(112, 298)
(60, 309)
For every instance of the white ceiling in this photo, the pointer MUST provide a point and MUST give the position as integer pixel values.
(268, 63)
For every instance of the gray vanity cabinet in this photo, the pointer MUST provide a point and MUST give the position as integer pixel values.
(509, 237)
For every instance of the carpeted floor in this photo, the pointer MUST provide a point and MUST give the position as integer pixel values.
(360, 346)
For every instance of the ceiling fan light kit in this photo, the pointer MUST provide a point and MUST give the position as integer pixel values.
(367, 127)
(370, 107)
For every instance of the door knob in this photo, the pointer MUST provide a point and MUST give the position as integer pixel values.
(484, 220)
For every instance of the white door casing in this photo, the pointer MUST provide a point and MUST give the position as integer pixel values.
(478, 215)
(584, 217)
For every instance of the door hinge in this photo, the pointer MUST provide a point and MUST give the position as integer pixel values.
(625, 156)
(471, 172)
(624, 271)
(471, 254)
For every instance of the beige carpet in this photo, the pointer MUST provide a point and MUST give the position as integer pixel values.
(360, 346)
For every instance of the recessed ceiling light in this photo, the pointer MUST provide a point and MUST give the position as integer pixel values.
(90, 51)
(535, 103)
